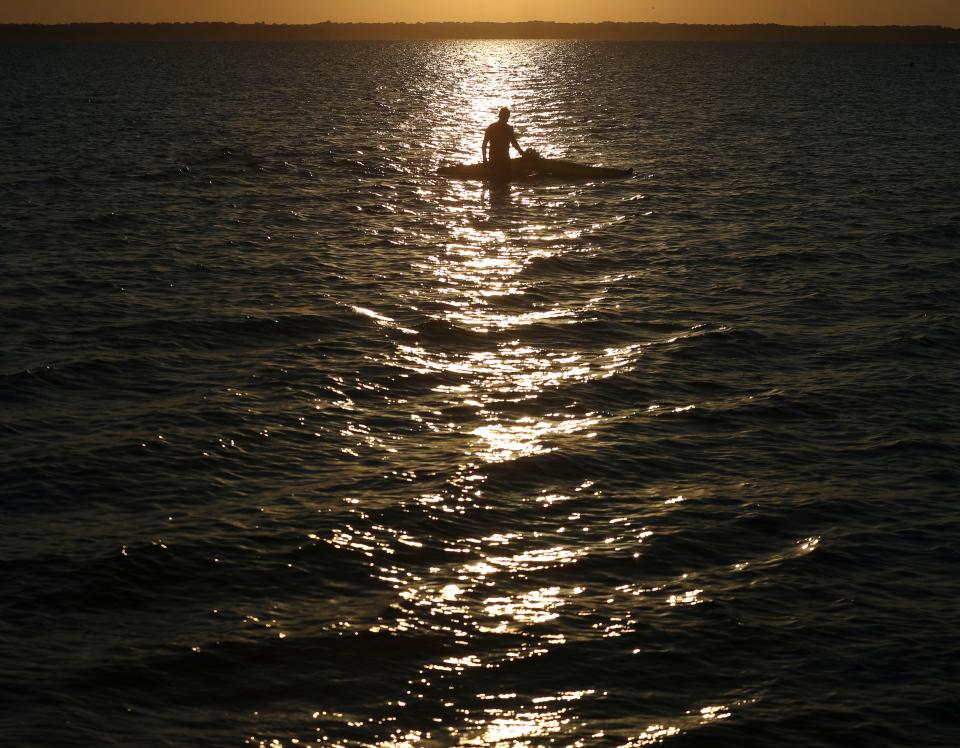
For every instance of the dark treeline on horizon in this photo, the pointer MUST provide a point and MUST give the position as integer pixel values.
(218, 31)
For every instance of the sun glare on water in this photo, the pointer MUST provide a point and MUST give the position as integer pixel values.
(494, 398)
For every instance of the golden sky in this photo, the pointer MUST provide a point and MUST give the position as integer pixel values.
(805, 12)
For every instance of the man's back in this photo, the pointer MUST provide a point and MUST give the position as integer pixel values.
(499, 135)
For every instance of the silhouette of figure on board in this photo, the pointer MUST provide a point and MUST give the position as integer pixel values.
(499, 136)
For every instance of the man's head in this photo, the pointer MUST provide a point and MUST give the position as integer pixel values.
(504, 114)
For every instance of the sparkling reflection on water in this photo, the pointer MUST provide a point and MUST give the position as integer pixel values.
(483, 593)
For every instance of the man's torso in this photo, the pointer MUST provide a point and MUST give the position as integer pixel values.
(499, 135)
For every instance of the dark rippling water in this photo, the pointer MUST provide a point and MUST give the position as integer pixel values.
(302, 444)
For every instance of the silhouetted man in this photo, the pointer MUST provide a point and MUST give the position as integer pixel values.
(500, 137)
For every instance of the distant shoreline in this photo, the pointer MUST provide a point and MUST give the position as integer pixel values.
(212, 31)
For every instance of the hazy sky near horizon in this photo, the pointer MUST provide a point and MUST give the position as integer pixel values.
(800, 12)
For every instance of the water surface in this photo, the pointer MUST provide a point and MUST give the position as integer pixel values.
(305, 445)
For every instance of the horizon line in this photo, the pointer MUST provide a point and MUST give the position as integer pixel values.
(487, 23)
(625, 31)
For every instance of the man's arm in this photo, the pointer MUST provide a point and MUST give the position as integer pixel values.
(483, 148)
(513, 141)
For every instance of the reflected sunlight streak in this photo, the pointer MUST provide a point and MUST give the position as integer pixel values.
(482, 382)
